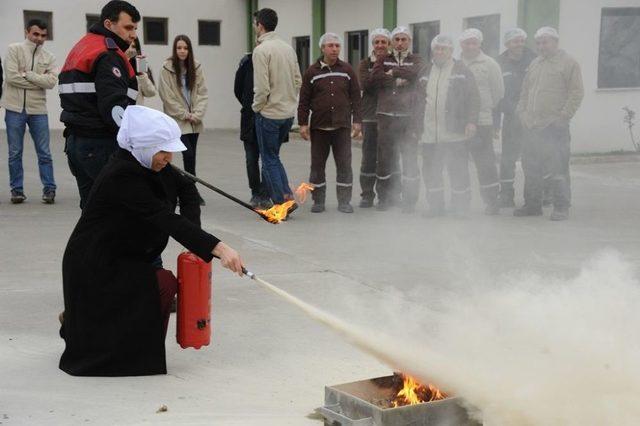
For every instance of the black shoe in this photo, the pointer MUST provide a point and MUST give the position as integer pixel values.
(345, 208)
(558, 214)
(265, 203)
(255, 201)
(507, 203)
(17, 197)
(49, 197)
(527, 211)
(317, 208)
(366, 203)
(383, 206)
(492, 210)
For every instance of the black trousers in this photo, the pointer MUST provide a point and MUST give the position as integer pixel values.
(369, 160)
(190, 140)
(545, 157)
(86, 158)
(322, 142)
(512, 137)
(484, 157)
(252, 160)
(395, 140)
(455, 157)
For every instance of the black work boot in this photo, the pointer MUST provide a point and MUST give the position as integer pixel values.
(344, 198)
(366, 203)
(318, 195)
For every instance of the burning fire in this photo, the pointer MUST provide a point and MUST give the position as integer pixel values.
(302, 192)
(413, 393)
(278, 212)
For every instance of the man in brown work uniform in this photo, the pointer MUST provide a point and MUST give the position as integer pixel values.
(396, 76)
(330, 90)
(380, 40)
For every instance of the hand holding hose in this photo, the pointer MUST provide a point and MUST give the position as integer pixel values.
(229, 258)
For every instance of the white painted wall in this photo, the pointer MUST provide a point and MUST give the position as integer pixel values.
(294, 17)
(598, 125)
(219, 62)
(353, 15)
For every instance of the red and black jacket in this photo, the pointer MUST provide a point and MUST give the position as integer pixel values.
(96, 84)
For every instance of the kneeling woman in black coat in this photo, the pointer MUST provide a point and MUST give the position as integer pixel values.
(116, 302)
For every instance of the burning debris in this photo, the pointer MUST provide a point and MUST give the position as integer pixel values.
(412, 392)
(280, 212)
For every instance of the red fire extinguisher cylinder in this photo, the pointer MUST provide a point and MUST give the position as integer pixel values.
(194, 302)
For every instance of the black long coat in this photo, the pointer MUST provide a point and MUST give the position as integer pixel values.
(112, 321)
(243, 89)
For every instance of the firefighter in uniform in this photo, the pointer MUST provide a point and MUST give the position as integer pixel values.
(380, 40)
(96, 84)
(396, 76)
(331, 91)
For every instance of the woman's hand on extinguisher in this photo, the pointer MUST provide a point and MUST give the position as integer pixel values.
(229, 258)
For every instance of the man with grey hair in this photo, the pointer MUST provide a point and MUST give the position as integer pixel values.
(450, 114)
(514, 62)
(330, 95)
(488, 77)
(380, 41)
(551, 94)
(396, 76)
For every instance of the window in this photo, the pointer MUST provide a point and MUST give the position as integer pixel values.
(357, 47)
(619, 59)
(303, 51)
(423, 34)
(155, 30)
(209, 33)
(92, 20)
(46, 17)
(490, 27)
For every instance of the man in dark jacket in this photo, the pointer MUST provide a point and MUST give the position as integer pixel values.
(243, 89)
(514, 62)
(116, 303)
(380, 39)
(330, 91)
(450, 113)
(396, 76)
(96, 84)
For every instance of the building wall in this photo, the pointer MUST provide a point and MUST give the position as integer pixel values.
(219, 62)
(294, 17)
(353, 15)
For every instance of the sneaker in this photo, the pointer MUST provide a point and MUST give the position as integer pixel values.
(317, 208)
(366, 203)
(265, 203)
(17, 197)
(345, 208)
(49, 197)
(255, 201)
(558, 215)
(527, 211)
(492, 210)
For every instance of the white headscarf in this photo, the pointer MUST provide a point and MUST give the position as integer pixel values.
(145, 132)
(379, 32)
(470, 33)
(400, 30)
(329, 37)
(547, 31)
(512, 33)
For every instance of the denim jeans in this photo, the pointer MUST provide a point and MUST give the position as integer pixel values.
(271, 134)
(87, 157)
(39, 129)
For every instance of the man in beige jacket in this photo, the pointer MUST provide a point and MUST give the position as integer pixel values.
(276, 81)
(488, 76)
(30, 71)
(551, 94)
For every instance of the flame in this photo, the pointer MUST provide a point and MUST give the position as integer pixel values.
(278, 212)
(413, 392)
(302, 191)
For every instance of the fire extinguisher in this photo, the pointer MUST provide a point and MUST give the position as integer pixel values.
(194, 301)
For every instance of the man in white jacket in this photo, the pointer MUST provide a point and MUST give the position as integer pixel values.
(30, 71)
(488, 76)
(276, 82)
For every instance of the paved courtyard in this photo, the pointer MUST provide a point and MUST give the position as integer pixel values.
(268, 363)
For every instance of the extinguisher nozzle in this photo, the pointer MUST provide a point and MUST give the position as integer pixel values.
(248, 273)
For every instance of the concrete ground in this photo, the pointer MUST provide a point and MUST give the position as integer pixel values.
(268, 363)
